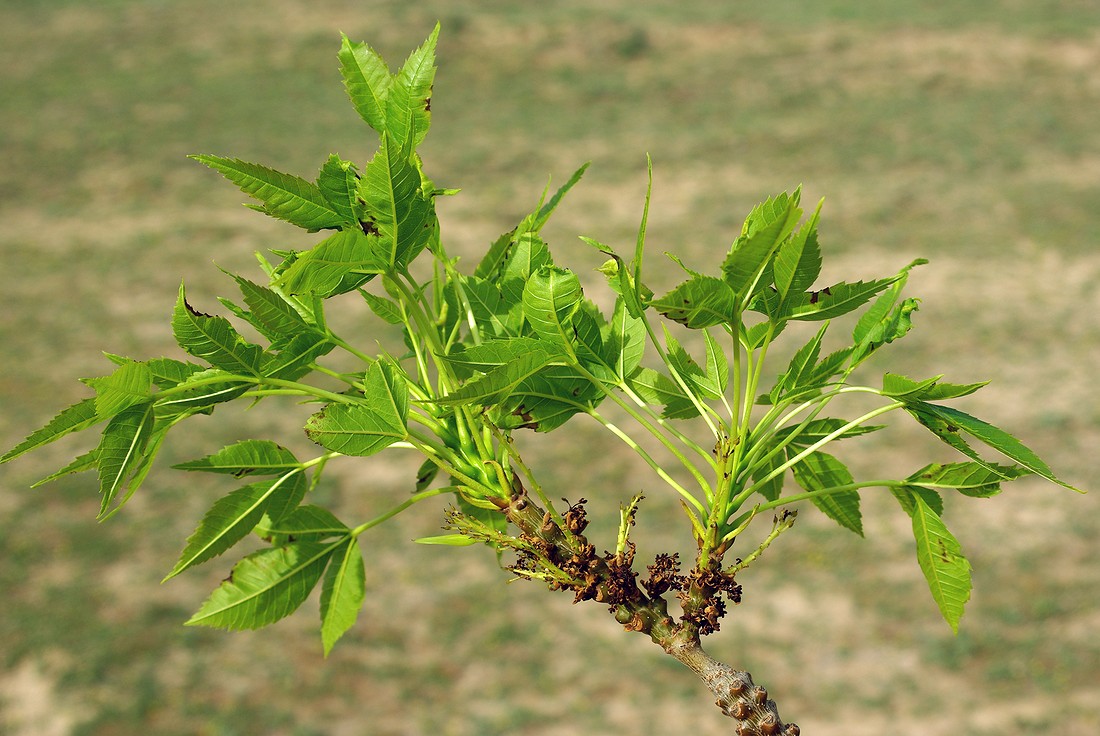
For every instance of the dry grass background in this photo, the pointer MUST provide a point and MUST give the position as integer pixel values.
(965, 133)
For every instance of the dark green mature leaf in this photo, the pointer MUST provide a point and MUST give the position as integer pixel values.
(766, 227)
(819, 471)
(338, 264)
(248, 457)
(121, 450)
(366, 427)
(284, 196)
(408, 104)
(339, 184)
(214, 340)
(80, 415)
(342, 593)
(367, 80)
(265, 586)
(699, 302)
(395, 206)
(550, 298)
(942, 562)
(235, 515)
(998, 439)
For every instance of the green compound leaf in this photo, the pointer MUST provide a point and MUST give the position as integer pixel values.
(338, 264)
(270, 312)
(121, 450)
(367, 80)
(80, 415)
(284, 196)
(366, 427)
(342, 593)
(765, 229)
(946, 423)
(396, 209)
(83, 463)
(699, 302)
(798, 260)
(408, 103)
(819, 429)
(265, 586)
(303, 524)
(130, 384)
(339, 184)
(971, 479)
(942, 562)
(819, 471)
(905, 497)
(232, 517)
(248, 457)
(213, 339)
(905, 389)
(499, 382)
(835, 300)
(550, 298)
(200, 392)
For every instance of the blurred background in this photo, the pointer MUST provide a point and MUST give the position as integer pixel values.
(965, 133)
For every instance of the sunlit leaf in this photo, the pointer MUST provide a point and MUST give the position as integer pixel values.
(265, 586)
(80, 415)
(942, 562)
(214, 340)
(248, 457)
(819, 471)
(342, 593)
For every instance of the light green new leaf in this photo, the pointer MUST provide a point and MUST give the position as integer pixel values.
(820, 471)
(447, 540)
(233, 516)
(550, 298)
(121, 450)
(699, 302)
(942, 562)
(970, 479)
(339, 184)
(525, 256)
(394, 205)
(408, 104)
(265, 586)
(366, 427)
(367, 80)
(385, 309)
(200, 391)
(717, 365)
(271, 312)
(492, 353)
(130, 384)
(499, 382)
(83, 463)
(284, 196)
(534, 221)
(338, 264)
(659, 389)
(766, 227)
(905, 389)
(833, 301)
(342, 593)
(625, 338)
(80, 415)
(996, 438)
(305, 523)
(248, 457)
(819, 429)
(214, 340)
